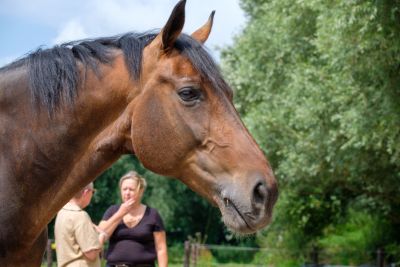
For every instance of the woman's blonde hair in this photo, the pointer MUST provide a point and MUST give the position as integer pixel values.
(141, 182)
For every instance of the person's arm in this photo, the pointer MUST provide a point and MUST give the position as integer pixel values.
(108, 226)
(103, 236)
(86, 236)
(161, 248)
(92, 255)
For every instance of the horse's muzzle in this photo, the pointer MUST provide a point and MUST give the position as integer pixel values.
(247, 206)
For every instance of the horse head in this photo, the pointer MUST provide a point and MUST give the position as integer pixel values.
(184, 124)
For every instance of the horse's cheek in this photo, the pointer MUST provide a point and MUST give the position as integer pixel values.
(155, 140)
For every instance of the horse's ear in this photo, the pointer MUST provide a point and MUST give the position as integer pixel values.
(174, 26)
(170, 32)
(203, 32)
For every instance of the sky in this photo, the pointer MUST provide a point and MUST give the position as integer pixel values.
(28, 25)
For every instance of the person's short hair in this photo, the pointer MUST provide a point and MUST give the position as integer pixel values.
(141, 182)
(80, 193)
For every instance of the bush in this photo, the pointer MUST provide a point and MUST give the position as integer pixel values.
(355, 240)
(176, 253)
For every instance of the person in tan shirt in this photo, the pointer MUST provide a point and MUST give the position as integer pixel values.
(78, 241)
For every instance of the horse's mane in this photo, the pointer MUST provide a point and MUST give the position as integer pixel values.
(54, 75)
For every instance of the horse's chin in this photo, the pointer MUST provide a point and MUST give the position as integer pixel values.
(236, 222)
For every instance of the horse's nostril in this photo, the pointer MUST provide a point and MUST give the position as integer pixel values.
(226, 202)
(260, 193)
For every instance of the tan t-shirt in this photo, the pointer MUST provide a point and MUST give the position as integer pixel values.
(74, 233)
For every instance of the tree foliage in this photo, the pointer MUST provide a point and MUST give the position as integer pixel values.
(317, 83)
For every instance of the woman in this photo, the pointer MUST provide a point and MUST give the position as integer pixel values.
(137, 235)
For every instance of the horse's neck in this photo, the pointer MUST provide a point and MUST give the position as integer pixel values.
(99, 125)
(63, 153)
(14, 96)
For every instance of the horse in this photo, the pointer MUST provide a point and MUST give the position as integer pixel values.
(68, 112)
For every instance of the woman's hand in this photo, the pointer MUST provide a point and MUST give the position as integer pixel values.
(126, 206)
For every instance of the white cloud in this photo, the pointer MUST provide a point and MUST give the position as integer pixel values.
(72, 30)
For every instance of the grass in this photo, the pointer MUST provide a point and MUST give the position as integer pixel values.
(181, 265)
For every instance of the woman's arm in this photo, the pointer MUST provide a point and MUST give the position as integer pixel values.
(108, 226)
(161, 248)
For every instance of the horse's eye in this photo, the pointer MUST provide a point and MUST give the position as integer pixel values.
(189, 94)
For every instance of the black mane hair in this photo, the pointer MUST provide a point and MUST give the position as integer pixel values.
(54, 76)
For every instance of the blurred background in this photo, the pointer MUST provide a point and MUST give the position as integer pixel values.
(316, 82)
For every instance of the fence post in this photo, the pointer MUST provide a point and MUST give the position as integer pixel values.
(380, 258)
(197, 253)
(193, 253)
(314, 256)
(49, 253)
(186, 262)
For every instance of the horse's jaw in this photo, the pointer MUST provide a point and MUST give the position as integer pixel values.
(245, 199)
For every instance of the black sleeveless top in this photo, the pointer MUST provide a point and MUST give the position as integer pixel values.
(134, 245)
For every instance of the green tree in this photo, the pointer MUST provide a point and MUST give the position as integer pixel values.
(317, 83)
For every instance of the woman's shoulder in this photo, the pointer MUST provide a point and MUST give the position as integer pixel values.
(114, 207)
(152, 212)
(154, 217)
